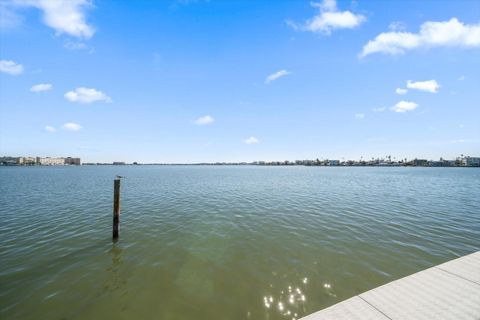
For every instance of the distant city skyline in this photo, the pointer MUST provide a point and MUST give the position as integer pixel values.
(461, 161)
(222, 81)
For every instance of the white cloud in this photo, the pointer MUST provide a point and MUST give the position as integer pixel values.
(428, 86)
(50, 129)
(87, 95)
(379, 109)
(276, 75)
(10, 67)
(359, 116)
(205, 120)
(461, 78)
(404, 106)
(451, 33)
(251, 140)
(65, 16)
(401, 91)
(71, 126)
(329, 18)
(41, 87)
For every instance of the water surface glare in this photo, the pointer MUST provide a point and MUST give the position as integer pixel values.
(224, 242)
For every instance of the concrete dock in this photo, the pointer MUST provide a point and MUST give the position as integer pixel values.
(447, 291)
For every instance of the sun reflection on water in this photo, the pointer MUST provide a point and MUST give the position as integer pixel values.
(290, 302)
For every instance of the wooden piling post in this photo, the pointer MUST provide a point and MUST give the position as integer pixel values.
(116, 209)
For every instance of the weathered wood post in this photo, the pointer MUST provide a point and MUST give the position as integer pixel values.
(116, 208)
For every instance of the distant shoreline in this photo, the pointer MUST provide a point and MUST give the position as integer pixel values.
(240, 165)
(462, 161)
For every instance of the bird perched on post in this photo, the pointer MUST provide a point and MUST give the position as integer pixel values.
(120, 177)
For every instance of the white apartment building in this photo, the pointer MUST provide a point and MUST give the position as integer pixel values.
(50, 161)
(26, 160)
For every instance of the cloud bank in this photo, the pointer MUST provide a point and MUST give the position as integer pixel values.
(451, 33)
(11, 67)
(64, 16)
(329, 19)
(87, 95)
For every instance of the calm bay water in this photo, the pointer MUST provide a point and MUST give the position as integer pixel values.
(199, 242)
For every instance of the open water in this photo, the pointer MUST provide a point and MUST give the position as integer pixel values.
(222, 242)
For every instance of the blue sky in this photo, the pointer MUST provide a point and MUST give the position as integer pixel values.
(194, 81)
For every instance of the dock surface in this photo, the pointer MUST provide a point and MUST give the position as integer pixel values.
(448, 291)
